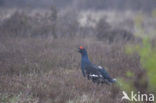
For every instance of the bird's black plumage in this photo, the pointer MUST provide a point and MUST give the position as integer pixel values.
(96, 73)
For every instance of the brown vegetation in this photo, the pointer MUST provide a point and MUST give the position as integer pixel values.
(47, 70)
(37, 69)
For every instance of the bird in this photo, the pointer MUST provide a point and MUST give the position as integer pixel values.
(93, 72)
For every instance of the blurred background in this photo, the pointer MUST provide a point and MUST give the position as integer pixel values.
(39, 62)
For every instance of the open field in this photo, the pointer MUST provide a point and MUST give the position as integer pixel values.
(48, 70)
(37, 67)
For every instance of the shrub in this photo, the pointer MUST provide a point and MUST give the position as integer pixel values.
(106, 33)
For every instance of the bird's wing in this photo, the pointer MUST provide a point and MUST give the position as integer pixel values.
(92, 71)
(104, 73)
(94, 75)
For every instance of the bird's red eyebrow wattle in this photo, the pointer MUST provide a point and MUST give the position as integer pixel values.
(81, 47)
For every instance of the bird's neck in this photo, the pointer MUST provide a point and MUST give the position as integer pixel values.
(85, 59)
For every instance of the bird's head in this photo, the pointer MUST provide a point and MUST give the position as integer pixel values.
(82, 50)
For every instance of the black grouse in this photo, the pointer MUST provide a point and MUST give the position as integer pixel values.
(96, 73)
